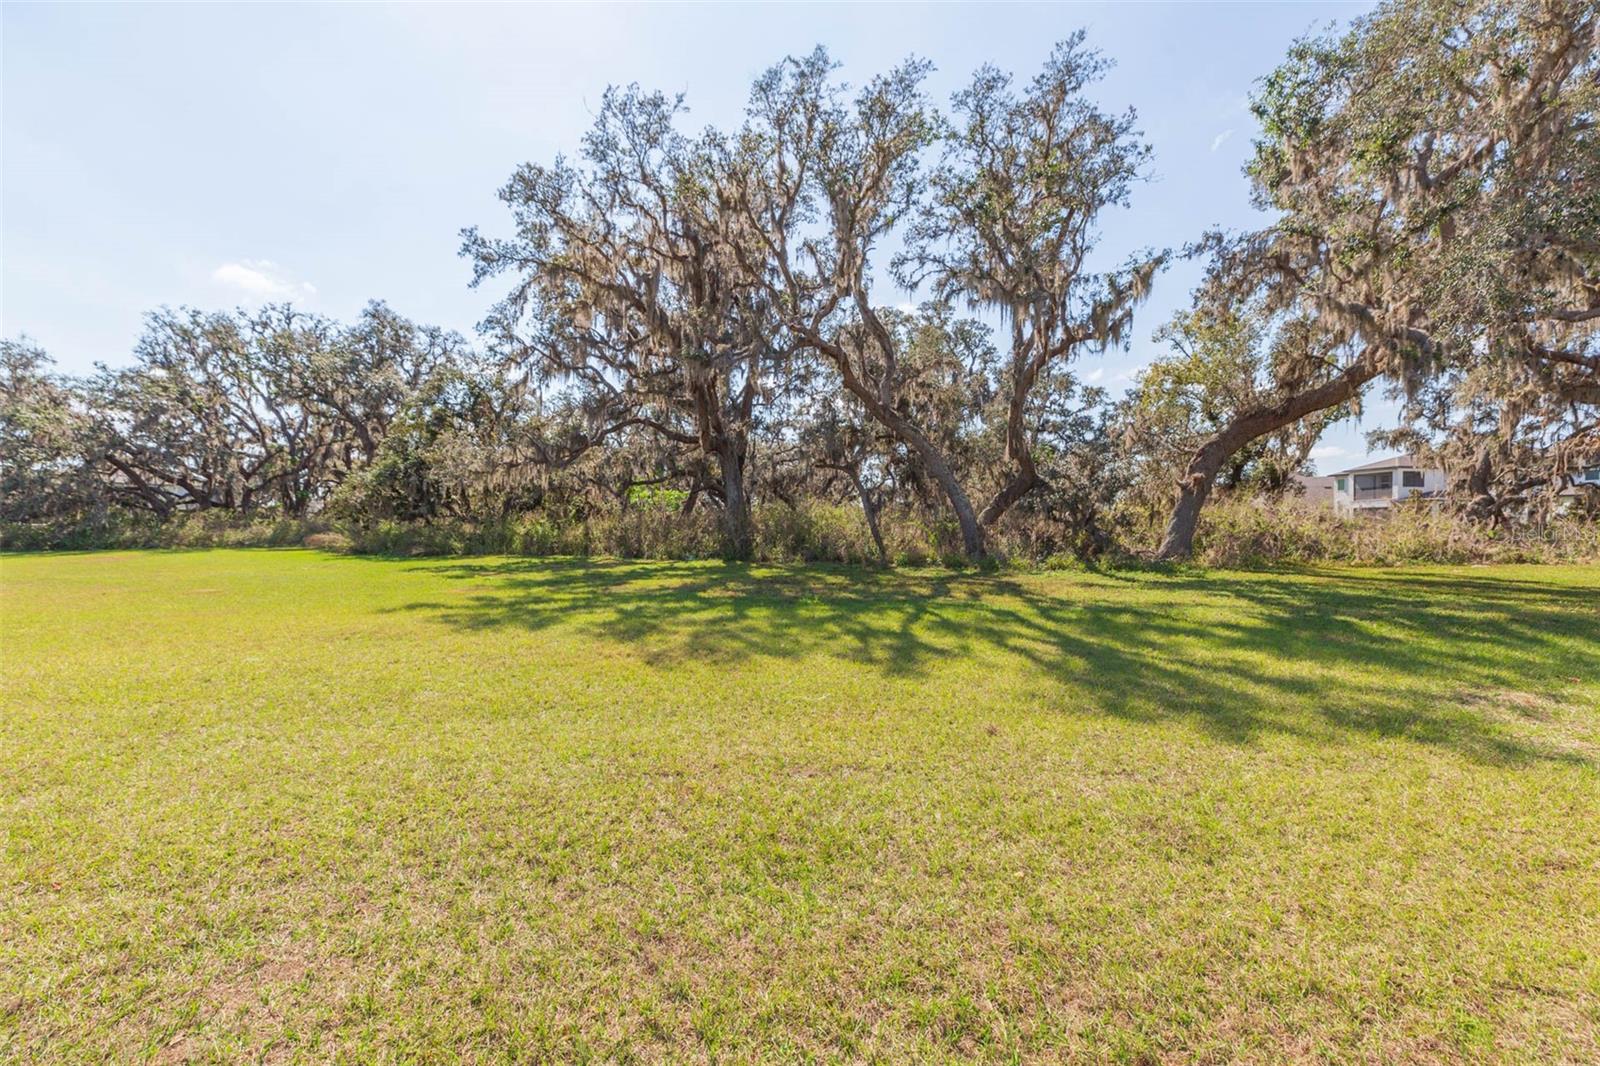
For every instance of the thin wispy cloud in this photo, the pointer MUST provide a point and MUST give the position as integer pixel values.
(262, 279)
(1330, 451)
(1130, 373)
(1095, 376)
(1220, 139)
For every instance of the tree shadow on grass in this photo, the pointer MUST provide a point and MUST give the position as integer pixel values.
(1317, 654)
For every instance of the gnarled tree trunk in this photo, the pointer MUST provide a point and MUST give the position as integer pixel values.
(1195, 486)
(878, 404)
(971, 531)
(737, 530)
(869, 508)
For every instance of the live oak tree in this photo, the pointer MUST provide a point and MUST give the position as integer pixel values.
(197, 423)
(1223, 362)
(1009, 224)
(464, 444)
(840, 440)
(945, 373)
(1081, 467)
(1003, 221)
(1435, 172)
(1508, 454)
(1254, 379)
(363, 374)
(821, 179)
(717, 321)
(628, 292)
(48, 442)
(266, 410)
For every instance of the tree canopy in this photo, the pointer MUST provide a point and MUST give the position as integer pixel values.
(862, 295)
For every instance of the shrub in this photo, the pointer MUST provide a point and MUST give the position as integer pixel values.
(1235, 532)
(1252, 532)
(653, 532)
(207, 529)
(813, 531)
(329, 542)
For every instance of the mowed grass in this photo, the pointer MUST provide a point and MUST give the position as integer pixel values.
(287, 806)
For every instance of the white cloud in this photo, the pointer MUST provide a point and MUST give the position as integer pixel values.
(1330, 451)
(1220, 139)
(1095, 376)
(261, 279)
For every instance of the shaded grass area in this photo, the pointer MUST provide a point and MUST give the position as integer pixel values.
(294, 806)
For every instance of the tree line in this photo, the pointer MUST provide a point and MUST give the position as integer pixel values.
(721, 313)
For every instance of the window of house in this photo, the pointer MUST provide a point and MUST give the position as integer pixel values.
(1341, 484)
(1591, 474)
(1373, 482)
(1411, 479)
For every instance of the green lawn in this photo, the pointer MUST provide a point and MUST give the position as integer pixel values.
(293, 806)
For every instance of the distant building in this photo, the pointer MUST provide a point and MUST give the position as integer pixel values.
(1374, 488)
(1315, 490)
(1586, 482)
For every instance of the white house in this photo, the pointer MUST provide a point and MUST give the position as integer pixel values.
(1586, 481)
(1375, 487)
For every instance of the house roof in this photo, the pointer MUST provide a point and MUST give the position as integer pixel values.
(1396, 462)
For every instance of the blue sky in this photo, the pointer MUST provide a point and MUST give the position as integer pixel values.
(225, 155)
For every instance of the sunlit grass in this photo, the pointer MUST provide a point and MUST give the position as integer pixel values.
(296, 806)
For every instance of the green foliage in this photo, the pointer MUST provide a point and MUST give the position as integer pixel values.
(49, 487)
(657, 497)
(1242, 529)
(1248, 531)
(1433, 170)
(691, 338)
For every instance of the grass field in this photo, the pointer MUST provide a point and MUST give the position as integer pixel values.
(290, 806)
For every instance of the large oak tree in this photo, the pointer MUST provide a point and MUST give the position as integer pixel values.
(1436, 174)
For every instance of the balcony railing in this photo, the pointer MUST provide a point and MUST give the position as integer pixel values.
(1374, 494)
